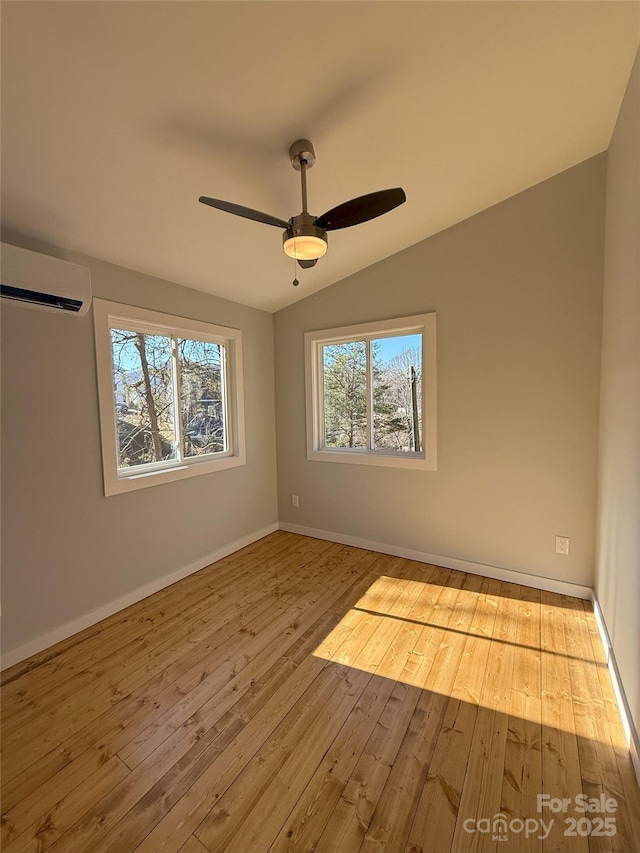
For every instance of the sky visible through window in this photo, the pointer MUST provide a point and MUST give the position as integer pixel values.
(392, 346)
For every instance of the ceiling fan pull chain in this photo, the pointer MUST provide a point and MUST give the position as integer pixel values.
(295, 281)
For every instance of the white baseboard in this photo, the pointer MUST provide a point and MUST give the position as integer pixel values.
(496, 572)
(44, 641)
(627, 721)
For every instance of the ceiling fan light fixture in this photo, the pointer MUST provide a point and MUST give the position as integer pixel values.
(305, 243)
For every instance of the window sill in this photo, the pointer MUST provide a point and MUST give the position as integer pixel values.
(125, 482)
(384, 460)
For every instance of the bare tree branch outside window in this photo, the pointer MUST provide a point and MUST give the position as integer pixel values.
(147, 368)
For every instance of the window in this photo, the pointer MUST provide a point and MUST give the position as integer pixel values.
(170, 393)
(371, 393)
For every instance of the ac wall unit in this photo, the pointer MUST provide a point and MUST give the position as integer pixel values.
(39, 281)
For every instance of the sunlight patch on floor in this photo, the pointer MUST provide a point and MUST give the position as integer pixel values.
(406, 631)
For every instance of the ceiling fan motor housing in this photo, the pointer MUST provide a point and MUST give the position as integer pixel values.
(303, 239)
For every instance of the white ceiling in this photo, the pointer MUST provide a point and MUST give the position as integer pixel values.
(118, 115)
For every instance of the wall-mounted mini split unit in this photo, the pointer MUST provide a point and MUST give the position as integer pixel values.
(38, 281)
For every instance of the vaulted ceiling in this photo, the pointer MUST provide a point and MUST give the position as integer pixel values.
(116, 116)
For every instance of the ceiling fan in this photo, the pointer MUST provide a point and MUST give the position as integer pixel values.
(305, 235)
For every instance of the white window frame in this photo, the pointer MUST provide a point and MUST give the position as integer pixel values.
(425, 460)
(112, 315)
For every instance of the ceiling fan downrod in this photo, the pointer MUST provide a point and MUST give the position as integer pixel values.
(302, 157)
(303, 239)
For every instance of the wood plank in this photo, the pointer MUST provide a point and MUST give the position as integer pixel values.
(439, 800)
(522, 777)
(482, 788)
(560, 757)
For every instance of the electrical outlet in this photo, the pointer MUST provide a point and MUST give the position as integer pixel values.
(295, 500)
(562, 544)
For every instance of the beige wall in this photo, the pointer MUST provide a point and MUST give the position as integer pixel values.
(618, 555)
(66, 548)
(518, 294)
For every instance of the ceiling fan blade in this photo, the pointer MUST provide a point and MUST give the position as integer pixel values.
(247, 212)
(361, 209)
(307, 264)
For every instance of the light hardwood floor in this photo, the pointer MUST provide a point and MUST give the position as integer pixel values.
(301, 695)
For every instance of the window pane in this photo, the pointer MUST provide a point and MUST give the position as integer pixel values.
(202, 406)
(143, 394)
(397, 393)
(345, 394)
